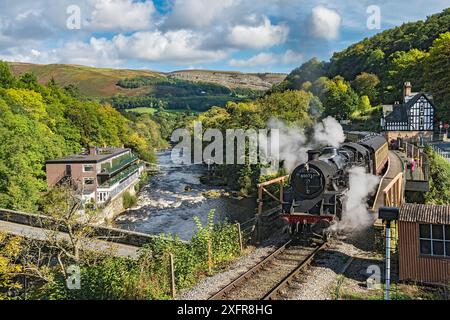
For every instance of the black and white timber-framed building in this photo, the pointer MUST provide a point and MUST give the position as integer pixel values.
(415, 118)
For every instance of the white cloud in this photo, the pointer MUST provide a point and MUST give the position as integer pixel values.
(121, 15)
(182, 46)
(257, 37)
(197, 13)
(325, 23)
(292, 57)
(260, 59)
(268, 59)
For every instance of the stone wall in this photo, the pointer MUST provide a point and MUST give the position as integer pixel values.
(103, 233)
(115, 206)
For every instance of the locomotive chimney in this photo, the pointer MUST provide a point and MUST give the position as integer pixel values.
(313, 155)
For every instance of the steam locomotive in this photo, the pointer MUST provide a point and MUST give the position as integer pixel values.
(314, 198)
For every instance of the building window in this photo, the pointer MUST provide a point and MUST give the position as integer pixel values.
(88, 181)
(434, 239)
(88, 168)
(102, 196)
(68, 170)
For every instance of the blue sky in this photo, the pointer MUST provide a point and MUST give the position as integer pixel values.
(167, 35)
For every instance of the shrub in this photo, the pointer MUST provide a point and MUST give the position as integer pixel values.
(129, 200)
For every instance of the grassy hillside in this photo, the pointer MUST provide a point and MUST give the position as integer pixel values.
(93, 82)
(101, 82)
(125, 89)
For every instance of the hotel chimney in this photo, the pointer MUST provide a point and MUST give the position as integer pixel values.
(407, 90)
(92, 150)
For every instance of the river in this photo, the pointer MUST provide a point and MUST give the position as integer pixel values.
(174, 196)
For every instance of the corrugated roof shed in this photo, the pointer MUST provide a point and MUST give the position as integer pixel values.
(434, 214)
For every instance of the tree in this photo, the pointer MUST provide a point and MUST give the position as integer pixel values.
(405, 66)
(339, 99)
(309, 71)
(291, 106)
(10, 249)
(366, 84)
(6, 77)
(437, 68)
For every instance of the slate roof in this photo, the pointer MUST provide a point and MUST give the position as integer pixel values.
(400, 112)
(102, 155)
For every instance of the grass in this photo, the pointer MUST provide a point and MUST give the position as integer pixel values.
(152, 111)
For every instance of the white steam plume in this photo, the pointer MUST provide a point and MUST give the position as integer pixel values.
(355, 214)
(294, 144)
(329, 132)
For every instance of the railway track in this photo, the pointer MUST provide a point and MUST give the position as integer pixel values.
(268, 279)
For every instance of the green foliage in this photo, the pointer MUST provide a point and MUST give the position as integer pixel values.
(179, 94)
(10, 249)
(402, 67)
(337, 96)
(148, 277)
(291, 106)
(38, 123)
(366, 84)
(437, 67)
(310, 71)
(393, 56)
(129, 200)
(439, 179)
(123, 102)
(6, 77)
(140, 81)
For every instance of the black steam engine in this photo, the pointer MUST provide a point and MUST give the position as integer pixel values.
(314, 199)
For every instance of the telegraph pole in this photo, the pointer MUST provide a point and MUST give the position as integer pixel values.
(388, 215)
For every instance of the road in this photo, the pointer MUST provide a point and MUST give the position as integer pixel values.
(116, 249)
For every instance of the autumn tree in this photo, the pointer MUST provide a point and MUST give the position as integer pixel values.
(366, 84)
(437, 69)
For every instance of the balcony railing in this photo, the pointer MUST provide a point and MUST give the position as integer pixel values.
(122, 175)
(107, 170)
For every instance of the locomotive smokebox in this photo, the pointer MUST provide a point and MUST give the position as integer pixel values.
(313, 155)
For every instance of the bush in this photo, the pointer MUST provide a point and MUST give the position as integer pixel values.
(148, 277)
(129, 200)
(439, 179)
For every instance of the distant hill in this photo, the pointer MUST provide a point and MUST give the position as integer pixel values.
(255, 81)
(103, 83)
(94, 82)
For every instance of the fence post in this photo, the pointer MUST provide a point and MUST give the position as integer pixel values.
(172, 276)
(209, 256)
(241, 246)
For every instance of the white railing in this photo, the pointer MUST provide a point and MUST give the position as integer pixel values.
(119, 187)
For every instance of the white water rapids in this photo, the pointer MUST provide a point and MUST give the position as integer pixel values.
(164, 205)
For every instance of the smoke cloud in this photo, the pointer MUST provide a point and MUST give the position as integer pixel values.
(355, 214)
(293, 143)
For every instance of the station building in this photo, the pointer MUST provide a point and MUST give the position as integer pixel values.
(414, 118)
